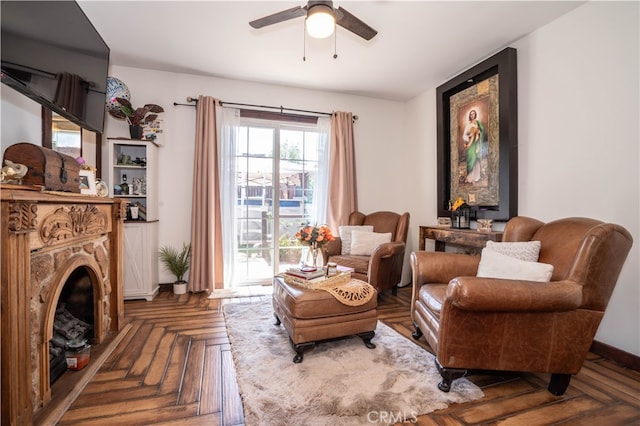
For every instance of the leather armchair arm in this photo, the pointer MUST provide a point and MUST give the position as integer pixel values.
(385, 265)
(431, 267)
(500, 295)
(383, 251)
(387, 250)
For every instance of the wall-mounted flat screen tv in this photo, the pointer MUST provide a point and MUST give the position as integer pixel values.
(53, 54)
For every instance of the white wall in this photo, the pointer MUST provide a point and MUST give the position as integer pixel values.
(579, 115)
(21, 118)
(381, 145)
(578, 143)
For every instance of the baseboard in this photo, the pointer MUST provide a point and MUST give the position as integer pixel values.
(623, 358)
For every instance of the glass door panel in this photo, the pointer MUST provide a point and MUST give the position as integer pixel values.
(274, 199)
(296, 193)
(254, 212)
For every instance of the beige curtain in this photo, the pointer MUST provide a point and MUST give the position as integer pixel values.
(206, 270)
(342, 193)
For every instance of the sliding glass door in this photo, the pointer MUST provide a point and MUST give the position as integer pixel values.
(280, 169)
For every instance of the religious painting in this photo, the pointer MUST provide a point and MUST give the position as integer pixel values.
(477, 138)
(474, 144)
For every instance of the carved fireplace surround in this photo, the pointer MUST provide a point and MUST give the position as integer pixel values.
(45, 238)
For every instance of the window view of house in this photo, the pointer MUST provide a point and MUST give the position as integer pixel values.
(66, 136)
(277, 168)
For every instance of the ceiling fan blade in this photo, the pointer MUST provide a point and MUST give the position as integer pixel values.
(285, 15)
(355, 25)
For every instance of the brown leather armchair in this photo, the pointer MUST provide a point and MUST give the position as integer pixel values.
(383, 269)
(476, 323)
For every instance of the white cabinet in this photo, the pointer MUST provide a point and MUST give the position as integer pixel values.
(140, 260)
(133, 164)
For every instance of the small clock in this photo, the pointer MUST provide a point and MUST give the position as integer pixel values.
(102, 189)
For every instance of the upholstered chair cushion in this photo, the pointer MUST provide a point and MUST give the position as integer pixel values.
(345, 232)
(497, 265)
(523, 250)
(364, 243)
(360, 264)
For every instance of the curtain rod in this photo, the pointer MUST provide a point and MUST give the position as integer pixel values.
(280, 108)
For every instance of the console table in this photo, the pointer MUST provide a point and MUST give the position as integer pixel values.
(461, 237)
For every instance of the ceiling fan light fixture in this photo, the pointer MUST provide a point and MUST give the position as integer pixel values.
(321, 21)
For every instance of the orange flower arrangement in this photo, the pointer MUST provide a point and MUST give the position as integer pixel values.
(315, 236)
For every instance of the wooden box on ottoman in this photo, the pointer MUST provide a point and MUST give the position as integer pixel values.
(312, 315)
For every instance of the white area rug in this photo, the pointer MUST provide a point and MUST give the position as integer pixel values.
(339, 382)
(233, 293)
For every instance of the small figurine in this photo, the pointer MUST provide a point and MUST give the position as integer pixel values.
(13, 172)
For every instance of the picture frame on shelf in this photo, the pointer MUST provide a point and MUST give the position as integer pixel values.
(87, 182)
(477, 138)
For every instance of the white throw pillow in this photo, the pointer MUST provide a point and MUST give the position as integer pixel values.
(364, 243)
(525, 250)
(497, 265)
(345, 235)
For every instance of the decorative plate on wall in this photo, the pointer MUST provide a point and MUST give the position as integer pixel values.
(116, 89)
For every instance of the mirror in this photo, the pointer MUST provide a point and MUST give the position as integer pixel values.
(66, 137)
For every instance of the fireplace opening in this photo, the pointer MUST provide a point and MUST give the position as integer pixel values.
(73, 321)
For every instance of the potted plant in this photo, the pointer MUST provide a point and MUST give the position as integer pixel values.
(176, 262)
(136, 118)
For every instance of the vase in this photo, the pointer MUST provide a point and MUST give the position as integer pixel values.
(135, 131)
(314, 257)
(179, 287)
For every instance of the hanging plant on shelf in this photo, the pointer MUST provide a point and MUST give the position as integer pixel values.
(136, 118)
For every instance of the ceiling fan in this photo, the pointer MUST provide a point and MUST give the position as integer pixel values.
(322, 11)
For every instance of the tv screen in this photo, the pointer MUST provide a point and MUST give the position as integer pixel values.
(52, 53)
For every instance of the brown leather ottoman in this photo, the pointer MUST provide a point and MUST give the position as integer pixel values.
(310, 316)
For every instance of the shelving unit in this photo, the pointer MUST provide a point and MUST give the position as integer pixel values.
(138, 160)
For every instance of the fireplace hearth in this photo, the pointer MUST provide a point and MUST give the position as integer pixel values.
(61, 261)
(68, 331)
(73, 321)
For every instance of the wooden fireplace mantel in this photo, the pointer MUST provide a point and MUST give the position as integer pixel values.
(69, 229)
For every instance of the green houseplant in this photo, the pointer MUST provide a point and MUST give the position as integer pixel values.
(177, 262)
(136, 117)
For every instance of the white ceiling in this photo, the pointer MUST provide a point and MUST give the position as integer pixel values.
(419, 45)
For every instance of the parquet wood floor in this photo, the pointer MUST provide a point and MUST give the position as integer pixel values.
(174, 367)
